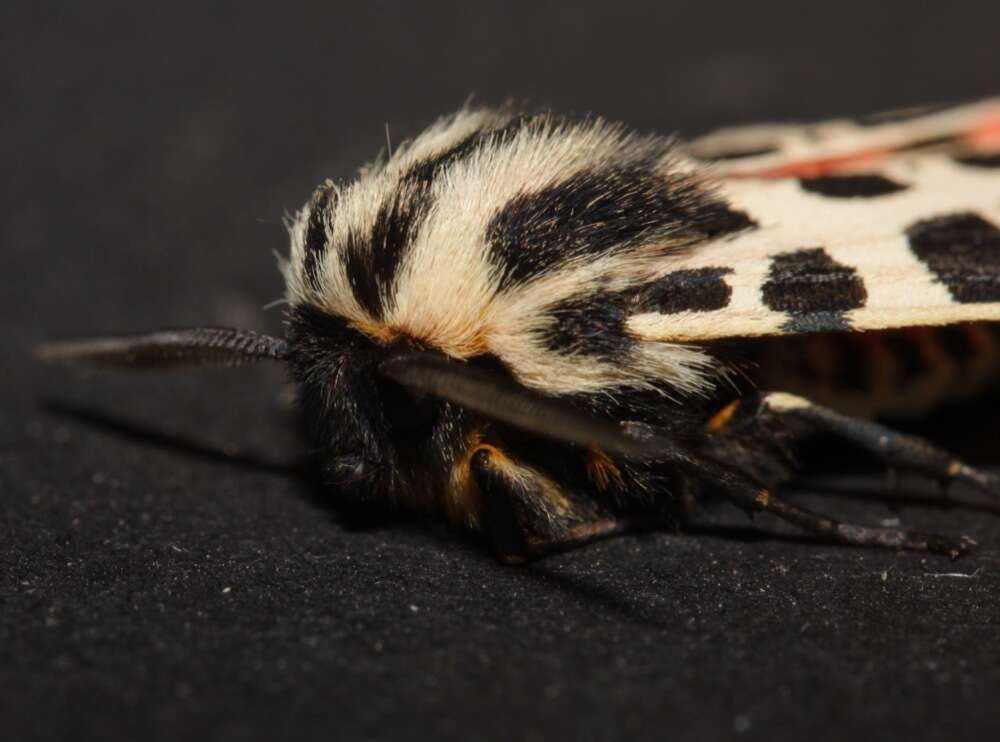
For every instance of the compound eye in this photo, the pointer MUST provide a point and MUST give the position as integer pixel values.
(349, 469)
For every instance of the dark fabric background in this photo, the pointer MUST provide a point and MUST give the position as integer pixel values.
(162, 576)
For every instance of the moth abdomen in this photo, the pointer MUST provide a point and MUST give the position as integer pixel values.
(904, 372)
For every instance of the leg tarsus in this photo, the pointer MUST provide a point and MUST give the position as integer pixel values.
(849, 533)
(894, 448)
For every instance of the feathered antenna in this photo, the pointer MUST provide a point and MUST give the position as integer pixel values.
(199, 346)
(476, 389)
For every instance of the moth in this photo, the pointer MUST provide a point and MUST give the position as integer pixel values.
(550, 329)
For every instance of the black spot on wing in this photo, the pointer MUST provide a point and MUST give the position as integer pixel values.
(813, 289)
(963, 252)
(320, 213)
(820, 321)
(982, 161)
(598, 213)
(851, 186)
(590, 324)
(695, 290)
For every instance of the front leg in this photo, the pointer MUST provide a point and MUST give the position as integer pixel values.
(528, 516)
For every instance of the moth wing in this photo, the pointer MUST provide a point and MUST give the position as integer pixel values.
(911, 240)
(784, 150)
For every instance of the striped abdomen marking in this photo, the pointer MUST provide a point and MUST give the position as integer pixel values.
(904, 372)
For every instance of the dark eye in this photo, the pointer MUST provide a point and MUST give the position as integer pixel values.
(349, 469)
(356, 480)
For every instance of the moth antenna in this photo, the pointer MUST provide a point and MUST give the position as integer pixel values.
(199, 346)
(501, 399)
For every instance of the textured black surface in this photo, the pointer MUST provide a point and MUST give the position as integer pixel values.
(166, 578)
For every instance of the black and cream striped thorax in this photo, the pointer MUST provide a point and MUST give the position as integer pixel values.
(532, 239)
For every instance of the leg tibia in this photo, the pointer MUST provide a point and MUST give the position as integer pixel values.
(527, 515)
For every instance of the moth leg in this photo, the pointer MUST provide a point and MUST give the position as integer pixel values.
(894, 448)
(849, 533)
(528, 516)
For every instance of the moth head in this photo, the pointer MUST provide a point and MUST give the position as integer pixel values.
(372, 435)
